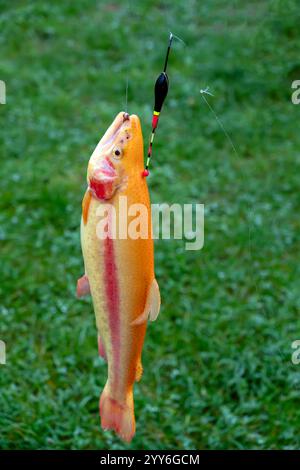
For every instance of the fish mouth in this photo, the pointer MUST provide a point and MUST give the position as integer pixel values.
(103, 163)
(121, 122)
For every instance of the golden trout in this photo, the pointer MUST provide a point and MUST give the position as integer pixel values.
(119, 270)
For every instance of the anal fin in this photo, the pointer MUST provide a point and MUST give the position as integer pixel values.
(101, 348)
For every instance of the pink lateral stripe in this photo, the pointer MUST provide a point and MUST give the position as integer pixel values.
(112, 300)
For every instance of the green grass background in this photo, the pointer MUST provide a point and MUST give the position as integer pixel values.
(218, 371)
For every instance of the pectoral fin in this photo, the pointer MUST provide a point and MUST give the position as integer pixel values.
(83, 286)
(152, 305)
(155, 301)
(138, 372)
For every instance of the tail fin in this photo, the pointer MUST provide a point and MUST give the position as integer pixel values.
(116, 415)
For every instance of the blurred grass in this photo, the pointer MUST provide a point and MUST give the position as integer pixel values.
(218, 373)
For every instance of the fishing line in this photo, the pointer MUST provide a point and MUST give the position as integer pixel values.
(218, 120)
(127, 57)
(178, 38)
(168, 52)
(126, 94)
(207, 92)
(259, 27)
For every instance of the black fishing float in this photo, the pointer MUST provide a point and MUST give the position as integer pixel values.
(160, 92)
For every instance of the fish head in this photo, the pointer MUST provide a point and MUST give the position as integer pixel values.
(119, 155)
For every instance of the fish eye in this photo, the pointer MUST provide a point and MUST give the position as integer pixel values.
(117, 153)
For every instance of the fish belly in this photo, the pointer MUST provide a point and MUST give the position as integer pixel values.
(120, 272)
